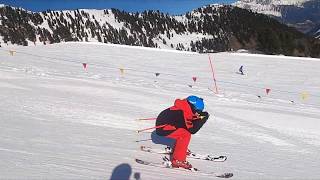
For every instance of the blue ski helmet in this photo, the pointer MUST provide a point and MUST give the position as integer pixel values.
(196, 102)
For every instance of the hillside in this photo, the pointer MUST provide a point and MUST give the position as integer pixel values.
(61, 121)
(213, 28)
(302, 14)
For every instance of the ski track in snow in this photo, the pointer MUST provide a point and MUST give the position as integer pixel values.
(61, 121)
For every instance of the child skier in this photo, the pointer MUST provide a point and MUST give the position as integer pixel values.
(178, 122)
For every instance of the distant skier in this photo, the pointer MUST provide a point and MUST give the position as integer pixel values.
(186, 117)
(241, 70)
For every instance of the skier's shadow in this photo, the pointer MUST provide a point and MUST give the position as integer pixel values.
(123, 172)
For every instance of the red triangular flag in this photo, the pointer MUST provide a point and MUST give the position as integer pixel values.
(268, 90)
(84, 65)
(194, 79)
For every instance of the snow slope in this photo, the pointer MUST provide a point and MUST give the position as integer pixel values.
(60, 121)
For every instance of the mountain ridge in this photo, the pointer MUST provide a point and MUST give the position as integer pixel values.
(212, 28)
(301, 14)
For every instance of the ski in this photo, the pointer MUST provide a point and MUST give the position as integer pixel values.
(167, 164)
(192, 155)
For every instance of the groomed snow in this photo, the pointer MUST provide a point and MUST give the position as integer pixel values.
(60, 121)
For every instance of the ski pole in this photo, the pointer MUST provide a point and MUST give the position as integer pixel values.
(155, 127)
(145, 119)
(143, 140)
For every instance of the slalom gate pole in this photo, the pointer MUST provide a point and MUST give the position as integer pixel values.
(213, 76)
(146, 119)
(155, 127)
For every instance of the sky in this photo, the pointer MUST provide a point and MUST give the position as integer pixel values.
(166, 6)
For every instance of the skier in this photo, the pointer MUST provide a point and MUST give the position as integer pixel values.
(241, 70)
(178, 122)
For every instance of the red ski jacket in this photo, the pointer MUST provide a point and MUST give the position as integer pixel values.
(180, 115)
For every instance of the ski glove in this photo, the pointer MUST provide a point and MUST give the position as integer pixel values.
(205, 115)
(199, 123)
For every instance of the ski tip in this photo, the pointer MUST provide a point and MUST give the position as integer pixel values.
(225, 175)
(224, 158)
(218, 159)
(140, 161)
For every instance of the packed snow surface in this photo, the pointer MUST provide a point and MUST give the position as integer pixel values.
(61, 121)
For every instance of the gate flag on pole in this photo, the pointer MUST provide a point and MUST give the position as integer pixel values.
(121, 71)
(268, 90)
(84, 65)
(194, 79)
